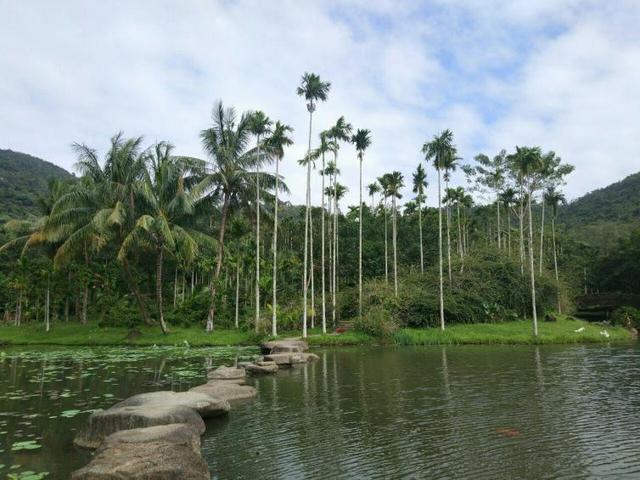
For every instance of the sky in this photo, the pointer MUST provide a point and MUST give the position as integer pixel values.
(561, 74)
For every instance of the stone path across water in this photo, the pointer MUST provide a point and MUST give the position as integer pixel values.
(157, 434)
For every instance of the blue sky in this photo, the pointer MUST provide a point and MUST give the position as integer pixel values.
(562, 74)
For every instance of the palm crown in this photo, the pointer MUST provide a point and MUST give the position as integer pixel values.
(313, 89)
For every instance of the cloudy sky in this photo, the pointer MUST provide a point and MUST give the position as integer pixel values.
(562, 74)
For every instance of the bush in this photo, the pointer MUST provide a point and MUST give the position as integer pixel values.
(377, 322)
(628, 317)
(119, 313)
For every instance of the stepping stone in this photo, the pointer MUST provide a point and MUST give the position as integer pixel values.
(205, 405)
(284, 346)
(102, 424)
(175, 433)
(270, 367)
(227, 373)
(225, 390)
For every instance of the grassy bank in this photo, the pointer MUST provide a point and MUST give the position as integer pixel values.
(519, 332)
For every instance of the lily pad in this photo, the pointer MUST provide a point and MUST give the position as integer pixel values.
(26, 445)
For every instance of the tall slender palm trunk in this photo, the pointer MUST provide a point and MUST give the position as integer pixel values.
(395, 246)
(533, 273)
(335, 240)
(555, 259)
(360, 248)
(440, 253)
(542, 235)
(499, 229)
(508, 231)
(220, 256)
(163, 326)
(257, 318)
(312, 267)
(306, 232)
(322, 247)
(237, 305)
(47, 305)
(386, 248)
(448, 211)
(521, 218)
(274, 318)
(420, 234)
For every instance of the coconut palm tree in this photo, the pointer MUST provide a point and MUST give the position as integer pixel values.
(439, 150)
(373, 189)
(362, 141)
(419, 188)
(526, 162)
(555, 198)
(277, 142)
(162, 226)
(394, 185)
(260, 126)
(229, 178)
(313, 89)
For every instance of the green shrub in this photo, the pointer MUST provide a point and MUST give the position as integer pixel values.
(377, 323)
(119, 313)
(628, 317)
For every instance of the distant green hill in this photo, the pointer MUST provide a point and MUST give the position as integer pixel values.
(23, 179)
(601, 217)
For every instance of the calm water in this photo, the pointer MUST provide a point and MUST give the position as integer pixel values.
(429, 412)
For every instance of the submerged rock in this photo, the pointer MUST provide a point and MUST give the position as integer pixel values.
(157, 460)
(227, 373)
(284, 346)
(205, 405)
(288, 359)
(225, 390)
(175, 433)
(104, 423)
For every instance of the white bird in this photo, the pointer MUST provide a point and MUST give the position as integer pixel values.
(581, 329)
(604, 333)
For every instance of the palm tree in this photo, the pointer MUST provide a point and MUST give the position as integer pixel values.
(450, 164)
(229, 178)
(395, 183)
(384, 187)
(555, 198)
(276, 143)
(313, 90)
(419, 188)
(362, 140)
(508, 197)
(162, 227)
(260, 126)
(491, 175)
(439, 150)
(373, 189)
(341, 131)
(527, 161)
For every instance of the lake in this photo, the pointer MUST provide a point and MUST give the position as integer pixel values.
(366, 412)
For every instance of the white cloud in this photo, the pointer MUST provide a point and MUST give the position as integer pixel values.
(562, 74)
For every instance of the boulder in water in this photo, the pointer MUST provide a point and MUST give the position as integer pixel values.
(262, 367)
(284, 346)
(175, 433)
(205, 405)
(225, 390)
(227, 373)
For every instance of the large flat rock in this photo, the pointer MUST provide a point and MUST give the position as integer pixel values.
(284, 346)
(262, 367)
(227, 373)
(102, 424)
(226, 390)
(288, 359)
(205, 405)
(175, 433)
(160, 460)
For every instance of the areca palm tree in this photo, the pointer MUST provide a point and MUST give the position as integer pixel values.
(340, 132)
(313, 89)
(277, 142)
(166, 204)
(384, 187)
(362, 141)
(373, 189)
(419, 187)
(555, 198)
(260, 126)
(508, 198)
(526, 162)
(439, 150)
(394, 185)
(492, 176)
(450, 165)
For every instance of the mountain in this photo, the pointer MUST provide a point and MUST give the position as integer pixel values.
(604, 215)
(23, 179)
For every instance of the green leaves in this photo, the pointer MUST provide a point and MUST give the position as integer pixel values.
(25, 445)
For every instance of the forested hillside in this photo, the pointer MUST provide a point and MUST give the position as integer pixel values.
(23, 179)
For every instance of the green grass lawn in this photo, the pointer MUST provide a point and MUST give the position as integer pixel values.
(519, 332)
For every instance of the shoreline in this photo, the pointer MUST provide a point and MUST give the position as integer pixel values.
(563, 331)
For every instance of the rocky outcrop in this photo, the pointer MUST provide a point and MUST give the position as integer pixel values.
(158, 453)
(206, 405)
(102, 424)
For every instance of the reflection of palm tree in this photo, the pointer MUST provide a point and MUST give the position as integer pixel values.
(313, 90)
